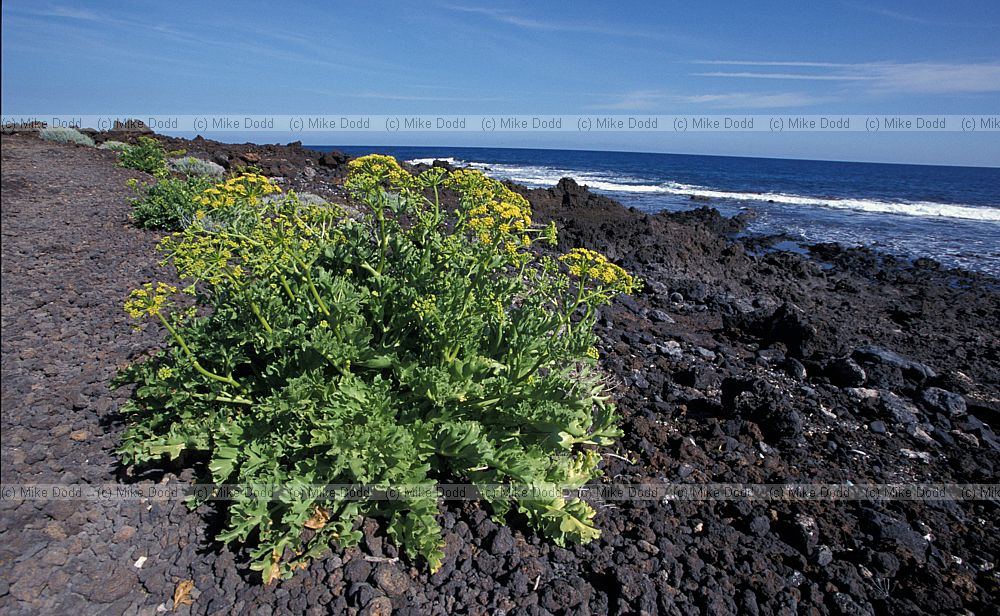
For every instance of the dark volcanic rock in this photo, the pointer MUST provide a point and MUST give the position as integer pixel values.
(889, 369)
(736, 313)
(357, 570)
(899, 411)
(949, 403)
(894, 533)
(845, 372)
(802, 533)
(711, 219)
(762, 403)
(334, 159)
(503, 541)
(788, 325)
(391, 580)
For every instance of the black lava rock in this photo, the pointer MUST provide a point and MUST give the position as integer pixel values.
(503, 541)
(888, 369)
(942, 401)
(357, 570)
(761, 402)
(845, 372)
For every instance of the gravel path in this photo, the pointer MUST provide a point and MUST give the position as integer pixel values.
(69, 256)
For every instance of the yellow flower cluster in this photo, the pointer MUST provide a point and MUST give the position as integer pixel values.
(203, 256)
(551, 234)
(425, 305)
(150, 300)
(266, 241)
(593, 353)
(434, 176)
(473, 185)
(246, 188)
(591, 265)
(164, 373)
(367, 172)
(495, 211)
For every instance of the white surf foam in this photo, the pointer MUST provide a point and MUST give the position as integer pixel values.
(916, 208)
(430, 161)
(537, 176)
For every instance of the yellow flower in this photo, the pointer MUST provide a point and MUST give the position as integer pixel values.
(425, 306)
(495, 212)
(551, 234)
(369, 172)
(150, 300)
(591, 265)
(242, 189)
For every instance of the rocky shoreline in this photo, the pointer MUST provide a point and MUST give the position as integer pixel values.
(737, 364)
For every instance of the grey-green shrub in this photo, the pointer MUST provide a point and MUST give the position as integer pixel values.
(350, 210)
(189, 165)
(62, 134)
(305, 198)
(116, 146)
(308, 198)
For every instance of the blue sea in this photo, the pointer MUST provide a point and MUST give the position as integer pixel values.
(951, 214)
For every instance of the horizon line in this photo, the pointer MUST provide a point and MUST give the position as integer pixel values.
(788, 158)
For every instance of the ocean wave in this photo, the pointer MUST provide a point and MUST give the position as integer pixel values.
(537, 176)
(430, 161)
(876, 206)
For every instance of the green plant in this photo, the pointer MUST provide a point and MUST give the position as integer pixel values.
(63, 134)
(145, 155)
(169, 203)
(413, 346)
(189, 165)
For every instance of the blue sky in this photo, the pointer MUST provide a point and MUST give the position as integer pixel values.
(527, 58)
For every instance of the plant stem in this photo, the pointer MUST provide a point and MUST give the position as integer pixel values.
(229, 399)
(284, 284)
(437, 207)
(579, 299)
(253, 306)
(312, 287)
(371, 270)
(382, 239)
(260, 317)
(194, 360)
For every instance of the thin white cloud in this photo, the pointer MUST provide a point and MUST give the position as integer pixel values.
(504, 17)
(650, 100)
(938, 78)
(71, 12)
(520, 21)
(417, 97)
(879, 77)
(753, 100)
(914, 19)
(787, 76)
(636, 100)
(45, 20)
(795, 63)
